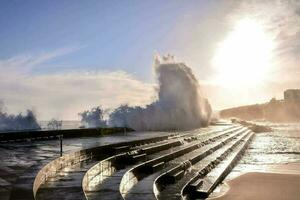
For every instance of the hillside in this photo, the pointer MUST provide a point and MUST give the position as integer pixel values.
(275, 111)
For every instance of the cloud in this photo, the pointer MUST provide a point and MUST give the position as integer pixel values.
(65, 94)
(26, 62)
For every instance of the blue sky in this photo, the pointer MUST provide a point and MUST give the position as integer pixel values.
(108, 34)
(59, 57)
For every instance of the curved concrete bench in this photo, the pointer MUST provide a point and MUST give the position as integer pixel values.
(54, 166)
(163, 189)
(132, 176)
(173, 174)
(196, 182)
(107, 167)
(209, 184)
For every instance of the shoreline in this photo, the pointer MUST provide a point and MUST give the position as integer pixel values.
(280, 182)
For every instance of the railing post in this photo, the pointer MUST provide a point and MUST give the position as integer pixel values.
(61, 146)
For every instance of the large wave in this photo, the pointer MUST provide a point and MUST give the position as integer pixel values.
(181, 104)
(93, 118)
(11, 122)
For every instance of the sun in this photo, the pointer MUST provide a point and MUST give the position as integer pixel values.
(243, 59)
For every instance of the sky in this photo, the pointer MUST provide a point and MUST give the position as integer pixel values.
(61, 57)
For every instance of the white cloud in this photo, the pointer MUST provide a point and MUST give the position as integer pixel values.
(25, 62)
(63, 95)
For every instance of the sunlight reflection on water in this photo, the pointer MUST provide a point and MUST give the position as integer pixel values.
(281, 146)
(269, 152)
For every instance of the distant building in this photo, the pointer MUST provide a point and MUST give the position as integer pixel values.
(292, 95)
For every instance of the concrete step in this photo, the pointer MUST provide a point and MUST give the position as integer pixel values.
(160, 147)
(178, 175)
(216, 176)
(121, 149)
(158, 166)
(140, 171)
(111, 165)
(149, 149)
(167, 177)
(139, 157)
(195, 185)
(204, 138)
(66, 184)
(74, 175)
(208, 174)
(166, 190)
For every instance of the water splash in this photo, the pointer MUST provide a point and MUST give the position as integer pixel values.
(181, 104)
(11, 122)
(93, 118)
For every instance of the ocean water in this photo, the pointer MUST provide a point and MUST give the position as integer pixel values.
(268, 150)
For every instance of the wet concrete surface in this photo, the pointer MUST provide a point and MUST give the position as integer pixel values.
(67, 183)
(145, 186)
(18, 157)
(109, 188)
(173, 191)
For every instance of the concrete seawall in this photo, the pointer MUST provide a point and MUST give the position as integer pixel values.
(51, 134)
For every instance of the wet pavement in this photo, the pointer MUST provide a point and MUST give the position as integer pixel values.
(18, 157)
(66, 183)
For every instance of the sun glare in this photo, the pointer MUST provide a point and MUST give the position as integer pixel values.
(243, 59)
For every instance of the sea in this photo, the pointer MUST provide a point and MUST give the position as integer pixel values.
(281, 146)
(273, 152)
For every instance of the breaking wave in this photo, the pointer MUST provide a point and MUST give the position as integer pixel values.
(11, 122)
(181, 104)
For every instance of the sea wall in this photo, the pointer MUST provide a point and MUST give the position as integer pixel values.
(51, 134)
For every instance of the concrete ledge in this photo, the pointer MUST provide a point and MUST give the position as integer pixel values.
(53, 167)
(18, 136)
(171, 176)
(191, 189)
(132, 176)
(107, 167)
(101, 170)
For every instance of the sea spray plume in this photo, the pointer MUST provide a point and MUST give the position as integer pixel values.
(180, 104)
(10, 122)
(93, 118)
(126, 116)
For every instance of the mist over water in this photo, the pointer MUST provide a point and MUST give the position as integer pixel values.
(181, 104)
(93, 118)
(11, 122)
